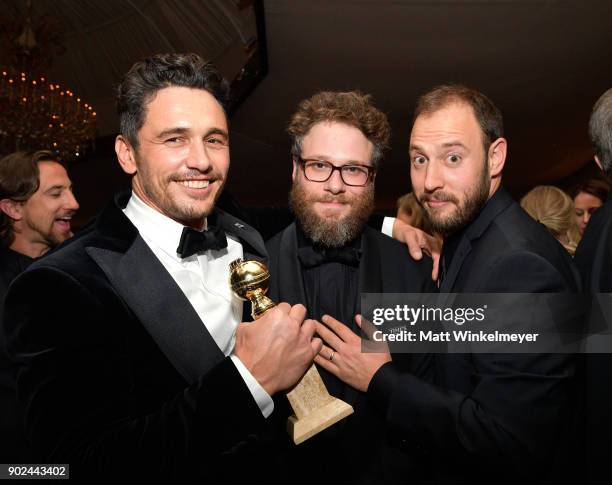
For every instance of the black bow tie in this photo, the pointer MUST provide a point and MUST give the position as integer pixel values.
(193, 241)
(311, 257)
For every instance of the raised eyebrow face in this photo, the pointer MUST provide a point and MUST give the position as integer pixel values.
(415, 147)
(454, 144)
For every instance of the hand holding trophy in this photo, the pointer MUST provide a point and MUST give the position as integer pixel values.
(314, 408)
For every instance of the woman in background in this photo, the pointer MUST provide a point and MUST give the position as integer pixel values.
(588, 197)
(410, 212)
(552, 207)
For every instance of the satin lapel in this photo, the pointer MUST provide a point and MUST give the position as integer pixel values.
(499, 202)
(253, 246)
(162, 308)
(371, 265)
(370, 281)
(252, 242)
(289, 276)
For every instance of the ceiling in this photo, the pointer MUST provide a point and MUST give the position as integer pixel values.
(543, 62)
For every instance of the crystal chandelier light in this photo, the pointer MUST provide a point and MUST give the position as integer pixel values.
(36, 113)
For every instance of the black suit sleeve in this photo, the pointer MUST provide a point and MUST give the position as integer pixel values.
(79, 384)
(513, 410)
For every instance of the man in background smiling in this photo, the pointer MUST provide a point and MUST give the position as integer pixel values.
(36, 202)
(36, 206)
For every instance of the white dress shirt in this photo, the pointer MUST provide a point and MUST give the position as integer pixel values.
(387, 227)
(204, 279)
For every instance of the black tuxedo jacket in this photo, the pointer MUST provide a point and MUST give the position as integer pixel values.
(13, 447)
(117, 373)
(594, 260)
(358, 449)
(491, 418)
(594, 253)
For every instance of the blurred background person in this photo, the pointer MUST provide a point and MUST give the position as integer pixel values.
(36, 206)
(36, 202)
(594, 261)
(588, 197)
(552, 207)
(409, 211)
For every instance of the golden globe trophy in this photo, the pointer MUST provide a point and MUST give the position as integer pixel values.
(313, 407)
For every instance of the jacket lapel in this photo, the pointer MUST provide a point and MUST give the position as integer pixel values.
(371, 265)
(496, 204)
(253, 246)
(252, 243)
(370, 281)
(288, 271)
(155, 299)
(448, 283)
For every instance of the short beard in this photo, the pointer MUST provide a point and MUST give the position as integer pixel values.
(331, 233)
(47, 236)
(466, 212)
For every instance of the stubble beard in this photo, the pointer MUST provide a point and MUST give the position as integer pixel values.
(45, 233)
(180, 208)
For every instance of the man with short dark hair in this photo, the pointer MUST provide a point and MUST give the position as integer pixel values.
(327, 258)
(149, 374)
(594, 260)
(489, 418)
(36, 206)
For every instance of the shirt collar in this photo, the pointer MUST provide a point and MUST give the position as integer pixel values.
(155, 227)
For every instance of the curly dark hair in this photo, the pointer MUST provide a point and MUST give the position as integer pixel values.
(352, 108)
(146, 77)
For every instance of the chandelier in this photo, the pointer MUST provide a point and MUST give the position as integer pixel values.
(35, 112)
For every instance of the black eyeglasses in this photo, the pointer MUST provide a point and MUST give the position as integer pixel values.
(351, 174)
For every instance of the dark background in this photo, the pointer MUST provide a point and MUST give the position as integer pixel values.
(543, 62)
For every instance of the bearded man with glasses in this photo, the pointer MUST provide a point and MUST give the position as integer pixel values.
(326, 259)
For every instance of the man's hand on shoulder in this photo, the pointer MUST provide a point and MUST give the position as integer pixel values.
(279, 347)
(418, 242)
